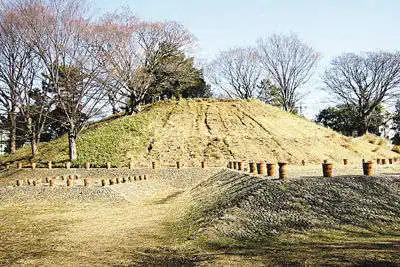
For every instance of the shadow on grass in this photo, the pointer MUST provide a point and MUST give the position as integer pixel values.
(350, 254)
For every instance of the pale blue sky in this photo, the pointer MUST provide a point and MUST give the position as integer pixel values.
(331, 27)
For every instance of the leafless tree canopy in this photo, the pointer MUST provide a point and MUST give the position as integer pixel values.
(52, 49)
(133, 49)
(290, 63)
(62, 37)
(237, 72)
(18, 69)
(364, 81)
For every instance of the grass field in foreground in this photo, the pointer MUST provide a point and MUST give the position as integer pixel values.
(178, 218)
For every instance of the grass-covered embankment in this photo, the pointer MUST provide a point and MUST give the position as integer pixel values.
(215, 130)
(342, 220)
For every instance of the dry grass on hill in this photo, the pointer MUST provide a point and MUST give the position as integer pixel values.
(211, 129)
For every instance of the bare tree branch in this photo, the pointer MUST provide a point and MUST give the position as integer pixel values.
(364, 81)
(290, 63)
(237, 72)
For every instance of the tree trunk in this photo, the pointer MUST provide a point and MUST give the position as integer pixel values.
(13, 131)
(34, 148)
(363, 128)
(72, 146)
(32, 134)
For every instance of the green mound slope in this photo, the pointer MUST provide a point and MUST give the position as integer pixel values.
(320, 221)
(247, 208)
(214, 130)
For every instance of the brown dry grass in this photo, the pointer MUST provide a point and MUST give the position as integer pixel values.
(141, 229)
(215, 130)
(53, 232)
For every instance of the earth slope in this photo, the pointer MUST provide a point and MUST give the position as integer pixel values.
(210, 129)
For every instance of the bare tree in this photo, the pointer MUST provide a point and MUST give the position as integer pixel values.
(65, 41)
(290, 63)
(134, 49)
(364, 82)
(15, 57)
(34, 103)
(237, 72)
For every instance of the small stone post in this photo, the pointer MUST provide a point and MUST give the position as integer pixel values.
(108, 165)
(19, 165)
(33, 165)
(87, 165)
(203, 164)
(345, 162)
(49, 165)
(19, 182)
(378, 161)
(68, 165)
(383, 161)
(390, 161)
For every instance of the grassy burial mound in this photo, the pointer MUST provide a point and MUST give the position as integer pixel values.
(215, 130)
(342, 220)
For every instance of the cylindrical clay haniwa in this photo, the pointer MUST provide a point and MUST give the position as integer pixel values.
(327, 169)
(368, 168)
(282, 170)
(261, 168)
(252, 167)
(270, 169)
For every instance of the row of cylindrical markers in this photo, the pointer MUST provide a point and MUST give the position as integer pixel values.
(269, 168)
(260, 168)
(87, 165)
(70, 180)
(178, 164)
